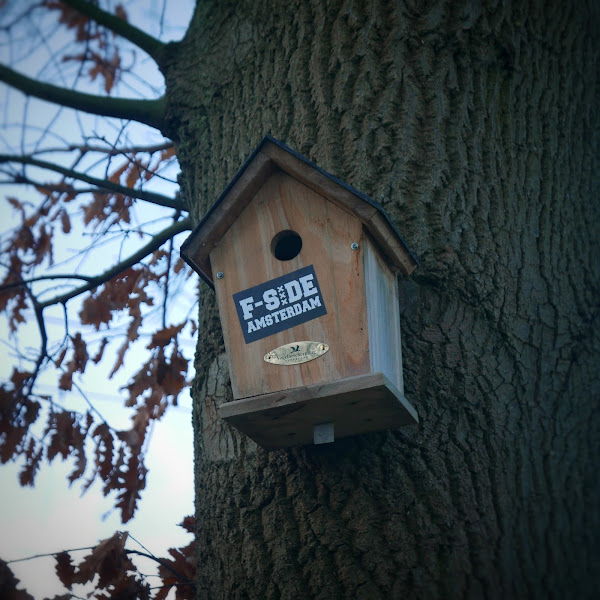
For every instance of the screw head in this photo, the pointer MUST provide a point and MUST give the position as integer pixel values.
(220, 275)
(354, 246)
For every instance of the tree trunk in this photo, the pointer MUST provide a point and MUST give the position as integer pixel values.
(476, 127)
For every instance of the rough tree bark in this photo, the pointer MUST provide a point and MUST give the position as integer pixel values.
(475, 125)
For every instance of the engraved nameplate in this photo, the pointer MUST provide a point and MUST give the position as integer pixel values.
(296, 353)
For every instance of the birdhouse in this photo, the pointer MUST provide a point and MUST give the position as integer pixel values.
(304, 269)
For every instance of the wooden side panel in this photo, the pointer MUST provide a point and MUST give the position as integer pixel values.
(383, 316)
(354, 405)
(245, 257)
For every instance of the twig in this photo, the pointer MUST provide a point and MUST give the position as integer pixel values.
(44, 278)
(110, 151)
(46, 554)
(158, 240)
(103, 184)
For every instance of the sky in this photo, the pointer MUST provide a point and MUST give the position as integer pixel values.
(53, 516)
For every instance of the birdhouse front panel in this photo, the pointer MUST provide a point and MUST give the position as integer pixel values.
(289, 274)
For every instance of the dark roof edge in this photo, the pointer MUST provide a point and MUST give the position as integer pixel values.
(349, 188)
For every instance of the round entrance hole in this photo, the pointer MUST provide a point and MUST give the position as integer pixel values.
(286, 245)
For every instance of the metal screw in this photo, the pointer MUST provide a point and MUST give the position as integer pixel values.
(354, 246)
(220, 275)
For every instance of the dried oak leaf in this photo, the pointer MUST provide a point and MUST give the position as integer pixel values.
(77, 363)
(17, 413)
(163, 337)
(8, 585)
(133, 482)
(104, 450)
(95, 311)
(65, 570)
(73, 19)
(100, 352)
(180, 570)
(33, 457)
(67, 438)
(108, 560)
(127, 588)
(65, 221)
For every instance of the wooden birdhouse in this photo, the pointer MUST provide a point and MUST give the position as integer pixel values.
(304, 269)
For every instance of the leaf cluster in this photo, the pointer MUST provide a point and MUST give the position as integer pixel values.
(109, 567)
(97, 190)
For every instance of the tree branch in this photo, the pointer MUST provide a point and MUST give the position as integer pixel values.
(22, 282)
(45, 554)
(149, 112)
(110, 150)
(155, 48)
(103, 184)
(51, 187)
(157, 241)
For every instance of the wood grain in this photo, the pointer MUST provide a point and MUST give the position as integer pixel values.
(244, 256)
(355, 405)
(392, 247)
(383, 316)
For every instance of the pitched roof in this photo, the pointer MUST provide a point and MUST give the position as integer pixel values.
(269, 154)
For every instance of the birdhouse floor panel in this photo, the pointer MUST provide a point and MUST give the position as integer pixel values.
(361, 404)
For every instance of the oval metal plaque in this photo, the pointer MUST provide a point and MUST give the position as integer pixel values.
(296, 353)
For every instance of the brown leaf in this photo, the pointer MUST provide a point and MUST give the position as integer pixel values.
(182, 563)
(8, 585)
(80, 356)
(133, 174)
(163, 337)
(115, 176)
(100, 352)
(108, 560)
(189, 524)
(33, 458)
(120, 12)
(65, 221)
(135, 482)
(174, 379)
(16, 204)
(94, 311)
(65, 569)
(104, 450)
(58, 361)
(17, 414)
(65, 381)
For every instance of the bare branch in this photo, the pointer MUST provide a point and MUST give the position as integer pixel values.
(44, 555)
(103, 184)
(155, 48)
(157, 241)
(50, 187)
(108, 150)
(14, 284)
(149, 112)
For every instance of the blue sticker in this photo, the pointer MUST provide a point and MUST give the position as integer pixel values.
(279, 304)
